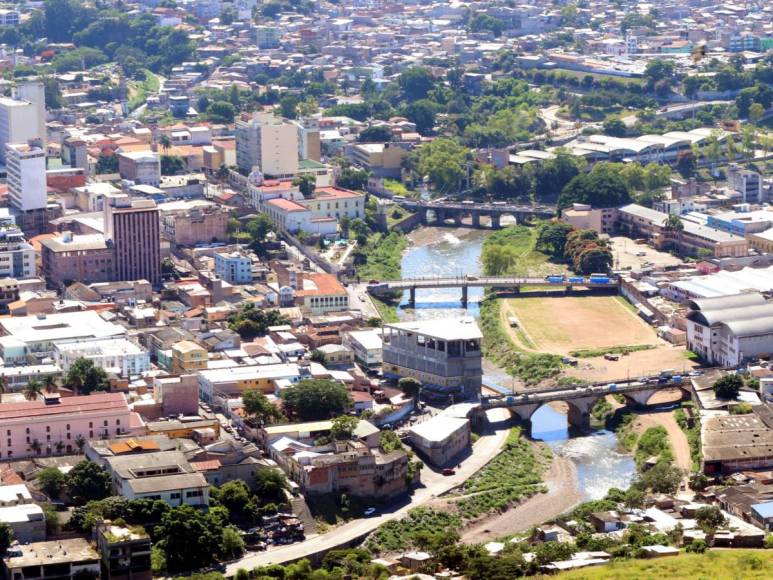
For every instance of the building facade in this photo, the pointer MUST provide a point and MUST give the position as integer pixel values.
(233, 267)
(70, 258)
(17, 257)
(268, 143)
(133, 227)
(26, 176)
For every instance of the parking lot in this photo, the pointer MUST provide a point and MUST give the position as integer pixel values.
(628, 255)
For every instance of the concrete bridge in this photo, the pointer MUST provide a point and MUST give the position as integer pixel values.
(457, 210)
(511, 284)
(582, 398)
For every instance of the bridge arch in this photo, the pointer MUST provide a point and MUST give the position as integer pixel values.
(645, 398)
(578, 415)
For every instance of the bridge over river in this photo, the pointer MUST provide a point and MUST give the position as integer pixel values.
(582, 398)
(511, 284)
(443, 210)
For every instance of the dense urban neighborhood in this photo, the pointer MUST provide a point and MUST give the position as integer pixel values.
(368, 289)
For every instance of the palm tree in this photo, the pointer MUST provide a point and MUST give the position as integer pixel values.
(35, 446)
(49, 384)
(59, 445)
(673, 223)
(165, 142)
(80, 443)
(32, 390)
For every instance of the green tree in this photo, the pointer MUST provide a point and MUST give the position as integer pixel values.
(318, 356)
(673, 223)
(552, 238)
(250, 321)
(52, 481)
(343, 427)
(271, 486)
(33, 390)
(172, 165)
(728, 386)
(107, 164)
(87, 481)
(443, 162)
(498, 260)
(709, 518)
(615, 127)
(231, 543)
(221, 112)
(422, 114)
(6, 537)
(316, 399)
(258, 405)
(416, 82)
(84, 377)
(697, 546)
(377, 134)
(410, 386)
(237, 499)
(306, 183)
(602, 187)
(756, 112)
(190, 540)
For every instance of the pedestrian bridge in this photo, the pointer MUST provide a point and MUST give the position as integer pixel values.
(511, 284)
(582, 398)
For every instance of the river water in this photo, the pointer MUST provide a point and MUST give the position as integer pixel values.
(456, 252)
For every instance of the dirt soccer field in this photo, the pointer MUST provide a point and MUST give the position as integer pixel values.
(564, 323)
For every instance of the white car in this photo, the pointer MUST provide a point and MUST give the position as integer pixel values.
(369, 512)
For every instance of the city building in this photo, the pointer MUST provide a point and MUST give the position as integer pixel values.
(583, 217)
(63, 559)
(321, 294)
(188, 357)
(119, 356)
(367, 346)
(728, 330)
(56, 425)
(746, 182)
(68, 258)
(26, 176)
(18, 510)
(133, 227)
(317, 215)
(381, 159)
(124, 551)
(189, 223)
(231, 382)
(19, 123)
(142, 167)
(443, 354)
(267, 143)
(159, 475)
(441, 439)
(267, 37)
(234, 267)
(17, 256)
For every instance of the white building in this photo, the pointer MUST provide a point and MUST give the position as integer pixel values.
(367, 346)
(17, 256)
(317, 215)
(142, 167)
(268, 143)
(115, 355)
(728, 330)
(9, 17)
(233, 267)
(26, 176)
(19, 122)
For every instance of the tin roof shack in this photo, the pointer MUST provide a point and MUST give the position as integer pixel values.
(752, 503)
(59, 559)
(737, 442)
(605, 522)
(125, 552)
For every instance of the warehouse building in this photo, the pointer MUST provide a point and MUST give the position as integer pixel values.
(728, 330)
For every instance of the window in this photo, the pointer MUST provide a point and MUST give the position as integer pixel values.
(175, 495)
(194, 493)
(117, 421)
(28, 431)
(68, 426)
(48, 428)
(91, 424)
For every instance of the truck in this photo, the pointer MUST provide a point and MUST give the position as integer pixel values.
(599, 279)
(555, 279)
(677, 379)
(576, 280)
(613, 387)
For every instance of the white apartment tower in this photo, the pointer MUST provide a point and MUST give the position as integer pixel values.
(26, 176)
(23, 118)
(268, 143)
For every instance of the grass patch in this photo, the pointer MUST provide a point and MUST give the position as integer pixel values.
(713, 565)
(691, 356)
(622, 425)
(140, 91)
(593, 352)
(396, 214)
(653, 443)
(628, 306)
(521, 240)
(330, 510)
(601, 411)
(400, 534)
(383, 254)
(515, 473)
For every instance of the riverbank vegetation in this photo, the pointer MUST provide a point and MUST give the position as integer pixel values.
(514, 474)
(379, 258)
(693, 432)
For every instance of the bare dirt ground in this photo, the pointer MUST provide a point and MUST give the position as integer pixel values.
(564, 323)
(625, 250)
(562, 495)
(636, 364)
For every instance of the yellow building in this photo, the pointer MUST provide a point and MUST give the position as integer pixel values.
(188, 357)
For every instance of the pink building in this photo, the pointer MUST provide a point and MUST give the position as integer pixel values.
(52, 425)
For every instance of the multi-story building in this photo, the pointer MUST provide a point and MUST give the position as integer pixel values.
(267, 37)
(188, 223)
(367, 346)
(381, 159)
(317, 215)
(75, 153)
(26, 176)
(747, 182)
(69, 258)
(267, 143)
(441, 439)
(443, 354)
(17, 257)
(125, 552)
(39, 333)
(133, 227)
(120, 356)
(143, 167)
(188, 357)
(19, 123)
(57, 425)
(583, 216)
(234, 267)
(321, 293)
(9, 17)
(63, 559)
(231, 382)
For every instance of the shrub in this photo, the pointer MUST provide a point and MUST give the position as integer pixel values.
(697, 547)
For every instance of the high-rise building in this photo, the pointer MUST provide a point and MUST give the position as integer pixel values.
(17, 256)
(133, 227)
(23, 117)
(268, 143)
(26, 176)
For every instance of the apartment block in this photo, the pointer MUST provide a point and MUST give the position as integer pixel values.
(268, 143)
(133, 227)
(17, 256)
(71, 258)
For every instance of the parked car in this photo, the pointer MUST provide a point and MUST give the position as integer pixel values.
(449, 471)
(369, 512)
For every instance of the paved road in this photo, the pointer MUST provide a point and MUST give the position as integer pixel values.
(359, 299)
(434, 484)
